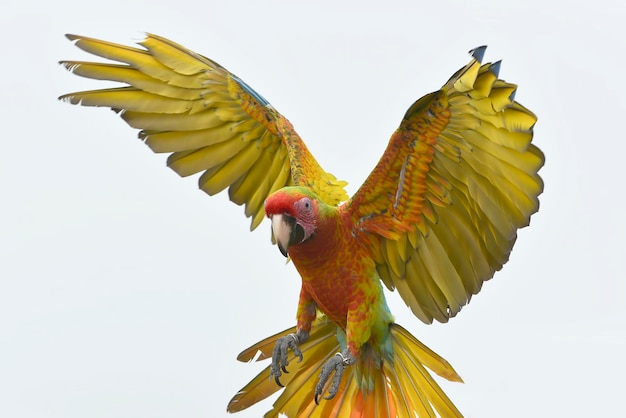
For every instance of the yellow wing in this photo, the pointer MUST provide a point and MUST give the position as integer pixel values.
(442, 207)
(207, 118)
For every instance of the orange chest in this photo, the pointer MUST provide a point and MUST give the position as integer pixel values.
(334, 277)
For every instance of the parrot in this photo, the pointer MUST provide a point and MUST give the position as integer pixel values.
(436, 217)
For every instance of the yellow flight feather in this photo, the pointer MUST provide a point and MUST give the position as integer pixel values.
(211, 121)
(457, 180)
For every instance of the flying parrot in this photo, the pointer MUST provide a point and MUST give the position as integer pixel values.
(436, 217)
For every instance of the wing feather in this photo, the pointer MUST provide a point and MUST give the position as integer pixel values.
(254, 182)
(458, 179)
(209, 120)
(231, 171)
(173, 141)
(140, 60)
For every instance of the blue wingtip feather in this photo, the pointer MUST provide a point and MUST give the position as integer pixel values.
(478, 53)
(495, 68)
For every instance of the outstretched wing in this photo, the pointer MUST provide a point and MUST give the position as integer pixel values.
(442, 207)
(206, 117)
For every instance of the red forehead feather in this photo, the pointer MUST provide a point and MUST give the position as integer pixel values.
(281, 202)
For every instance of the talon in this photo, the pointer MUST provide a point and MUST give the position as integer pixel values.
(336, 365)
(297, 353)
(334, 388)
(279, 356)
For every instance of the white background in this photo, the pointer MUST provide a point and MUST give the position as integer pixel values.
(126, 292)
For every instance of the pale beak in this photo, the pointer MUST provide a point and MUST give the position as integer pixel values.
(286, 231)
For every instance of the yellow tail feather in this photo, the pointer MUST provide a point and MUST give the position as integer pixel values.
(398, 386)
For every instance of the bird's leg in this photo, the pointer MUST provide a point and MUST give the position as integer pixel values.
(336, 364)
(281, 349)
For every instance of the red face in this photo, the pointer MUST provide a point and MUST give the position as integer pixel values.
(293, 215)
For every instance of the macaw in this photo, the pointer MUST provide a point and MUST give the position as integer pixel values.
(436, 217)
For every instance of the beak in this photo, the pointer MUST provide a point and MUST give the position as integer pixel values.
(286, 231)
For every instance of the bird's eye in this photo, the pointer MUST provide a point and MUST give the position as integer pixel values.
(305, 204)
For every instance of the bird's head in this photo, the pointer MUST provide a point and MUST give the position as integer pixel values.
(294, 212)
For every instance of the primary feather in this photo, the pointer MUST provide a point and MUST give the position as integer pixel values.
(207, 118)
(457, 180)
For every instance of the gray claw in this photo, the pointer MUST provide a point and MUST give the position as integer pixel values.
(336, 364)
(279, 356)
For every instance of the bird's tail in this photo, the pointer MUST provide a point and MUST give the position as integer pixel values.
(396, 386)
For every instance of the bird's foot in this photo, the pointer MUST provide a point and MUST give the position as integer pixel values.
(281, 349)
(336, 364)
